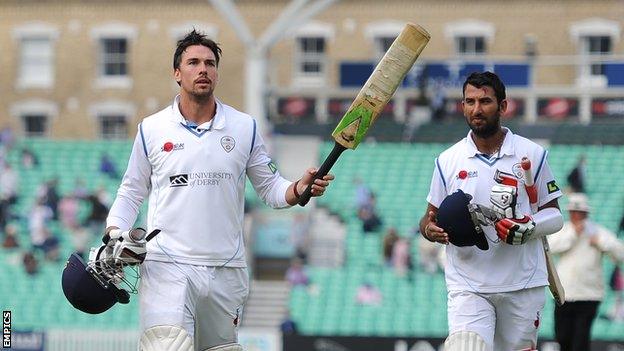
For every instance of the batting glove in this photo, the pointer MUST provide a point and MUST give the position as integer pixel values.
(515, 231)
(503, 200)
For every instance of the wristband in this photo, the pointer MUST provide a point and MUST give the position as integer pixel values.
(297, 195)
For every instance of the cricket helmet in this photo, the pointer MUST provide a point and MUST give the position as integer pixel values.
(91, 287)
(454, 217)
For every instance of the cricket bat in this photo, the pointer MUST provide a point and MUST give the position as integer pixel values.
(554, 284)
(372, 98)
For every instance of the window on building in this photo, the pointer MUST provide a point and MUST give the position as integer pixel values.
(311, 56)
(35, 124)
(382, 44)
(596, 46)
(113, 126)
(470, 45)
(113, 57)
(595, 37)
(36, 67)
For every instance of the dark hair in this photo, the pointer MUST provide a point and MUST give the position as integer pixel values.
(480, 79)
(195, 38)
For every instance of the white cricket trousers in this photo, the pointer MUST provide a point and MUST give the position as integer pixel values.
(506, 321)
(206, 301)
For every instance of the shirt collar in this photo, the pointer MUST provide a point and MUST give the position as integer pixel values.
(506, 149)
(218, 121)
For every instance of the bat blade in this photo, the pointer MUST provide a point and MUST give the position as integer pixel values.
(373, 97)
(381, 85)
(554, 283)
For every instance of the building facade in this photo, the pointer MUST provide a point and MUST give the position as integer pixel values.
(93, 69)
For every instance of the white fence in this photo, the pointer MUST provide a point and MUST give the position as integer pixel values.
(252, 339)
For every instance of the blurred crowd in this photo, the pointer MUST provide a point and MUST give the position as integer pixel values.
(33, 228)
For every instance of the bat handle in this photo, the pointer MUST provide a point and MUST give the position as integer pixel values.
(322, 171)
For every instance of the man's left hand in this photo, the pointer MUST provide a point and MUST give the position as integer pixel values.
(515, 231)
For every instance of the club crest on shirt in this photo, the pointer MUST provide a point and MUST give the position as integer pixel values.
(517, 171)
(228, 143)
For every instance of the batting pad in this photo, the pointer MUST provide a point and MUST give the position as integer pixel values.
(464, 341)
(166, 338)
(227, 347)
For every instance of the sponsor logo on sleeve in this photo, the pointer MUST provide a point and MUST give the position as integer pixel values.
(552, 187)
(272, 167)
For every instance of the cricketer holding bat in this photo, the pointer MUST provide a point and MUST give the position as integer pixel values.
(495, 276)
(191, 159)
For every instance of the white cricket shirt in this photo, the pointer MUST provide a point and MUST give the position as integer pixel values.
(503, 267)
(195, 180)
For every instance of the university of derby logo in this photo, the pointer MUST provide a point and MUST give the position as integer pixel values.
(228, 143)
(170, 146)
(178, 180)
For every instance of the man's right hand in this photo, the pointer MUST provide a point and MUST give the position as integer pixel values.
(433, 232)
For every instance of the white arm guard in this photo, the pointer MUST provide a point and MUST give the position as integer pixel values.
(547, 221)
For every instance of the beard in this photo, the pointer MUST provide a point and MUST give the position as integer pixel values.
(486, 130)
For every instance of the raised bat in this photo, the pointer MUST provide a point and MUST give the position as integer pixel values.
(554, 284)
(372, 98)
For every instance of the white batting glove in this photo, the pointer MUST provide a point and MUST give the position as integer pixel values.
(503, 199)
(124, 247)
(515, 231)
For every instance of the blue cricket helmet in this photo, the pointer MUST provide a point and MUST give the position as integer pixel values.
(88, 290)
(453, 216)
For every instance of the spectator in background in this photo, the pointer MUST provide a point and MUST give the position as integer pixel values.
(288, 325)
(98, 202)
(438, 101)
(9, 182)
(389, 240)
(363, 193)
(369, 295)
(29, 159)
(108, 167)
(10, 237)
(8, 192)
(31, 264)
(296, 275)
(402, 256)
(581, 244)
(7, 139)
(38, 220)
(368, 214)
(50, 195)
(51, 248)
(68, 211)
(576, 177)
(616, 282)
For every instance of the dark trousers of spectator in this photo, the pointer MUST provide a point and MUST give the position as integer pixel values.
(573, 323)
